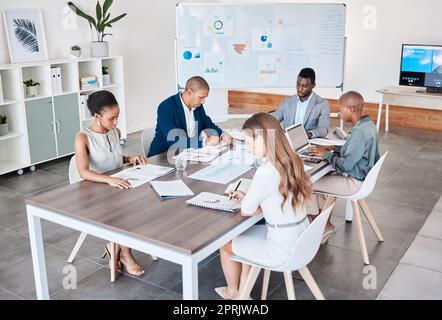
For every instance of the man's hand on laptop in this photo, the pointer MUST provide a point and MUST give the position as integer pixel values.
(318, 151)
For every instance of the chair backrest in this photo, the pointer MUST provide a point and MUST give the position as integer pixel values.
(370, 181)
(146, 139)
(74, 176)
(308, 243)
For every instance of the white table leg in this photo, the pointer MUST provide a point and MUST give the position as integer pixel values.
(190, 280)
(387, 111)
(378, 121)
(348, 211)
(38, 256)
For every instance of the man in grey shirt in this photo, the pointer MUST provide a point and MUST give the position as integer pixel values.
(306, 107)
(352, 161)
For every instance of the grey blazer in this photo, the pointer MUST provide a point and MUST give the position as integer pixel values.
(317, 115)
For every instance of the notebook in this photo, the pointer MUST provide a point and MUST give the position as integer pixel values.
(214, 201)
(171, 189)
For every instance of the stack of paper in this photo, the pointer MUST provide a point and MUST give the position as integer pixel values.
(142, 174)
(205, 154)
(171, 189)
(89, 82)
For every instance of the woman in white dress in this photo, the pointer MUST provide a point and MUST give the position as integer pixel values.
(98, 150)
(279, 190)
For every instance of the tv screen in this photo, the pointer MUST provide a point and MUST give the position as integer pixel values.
(421, 66)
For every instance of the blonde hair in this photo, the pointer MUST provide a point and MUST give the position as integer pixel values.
(293, 179)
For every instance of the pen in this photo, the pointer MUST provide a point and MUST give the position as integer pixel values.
(237, 186)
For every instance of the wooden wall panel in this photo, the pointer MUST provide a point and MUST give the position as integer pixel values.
(425, 119)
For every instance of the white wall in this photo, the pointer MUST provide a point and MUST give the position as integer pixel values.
(145, 39)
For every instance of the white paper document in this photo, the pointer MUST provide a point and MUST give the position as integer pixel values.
(327, 142)
(236, 156)
(307, 168)
(221, 173)
(142, 174)
(171, 189)
(205, 154)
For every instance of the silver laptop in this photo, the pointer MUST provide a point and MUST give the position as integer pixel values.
(299, 141)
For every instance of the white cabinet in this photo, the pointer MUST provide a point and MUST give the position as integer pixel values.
(43, 127)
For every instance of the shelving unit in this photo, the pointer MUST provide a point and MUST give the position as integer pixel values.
(43, 128)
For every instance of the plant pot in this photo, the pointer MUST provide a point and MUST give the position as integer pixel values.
(106, 79)
(76, 53)
(99, 49)
(3, 129)
(31, 91)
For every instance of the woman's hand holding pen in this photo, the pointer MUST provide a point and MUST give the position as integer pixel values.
(236, 196)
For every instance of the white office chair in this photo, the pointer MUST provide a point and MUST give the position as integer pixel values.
(146, 139)
(359, 198)
(304, 251)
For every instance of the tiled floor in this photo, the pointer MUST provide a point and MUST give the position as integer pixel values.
(419, 273)
(408, 189)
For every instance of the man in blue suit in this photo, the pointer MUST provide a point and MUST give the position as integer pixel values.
(183, 123)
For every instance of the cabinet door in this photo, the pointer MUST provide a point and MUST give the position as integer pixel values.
(68, 122)
(39, 118)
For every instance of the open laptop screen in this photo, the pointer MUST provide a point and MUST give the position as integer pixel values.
(297, 137)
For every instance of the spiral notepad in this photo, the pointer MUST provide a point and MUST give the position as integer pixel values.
(214, 201)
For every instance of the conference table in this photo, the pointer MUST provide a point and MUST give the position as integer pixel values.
(139, 219)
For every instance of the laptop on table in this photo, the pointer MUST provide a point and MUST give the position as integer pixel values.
(299, 141)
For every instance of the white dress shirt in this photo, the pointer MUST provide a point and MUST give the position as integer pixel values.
(190, 118)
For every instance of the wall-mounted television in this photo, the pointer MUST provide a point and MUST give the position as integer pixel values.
(421, 66)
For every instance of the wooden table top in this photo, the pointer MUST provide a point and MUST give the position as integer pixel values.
(140, 213)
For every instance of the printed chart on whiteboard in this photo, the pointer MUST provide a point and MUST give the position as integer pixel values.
(260, 45)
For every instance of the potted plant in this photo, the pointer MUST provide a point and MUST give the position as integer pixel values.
(75, 51)
(99, 47)
(106, 75)
(3, 125)
(31, 88)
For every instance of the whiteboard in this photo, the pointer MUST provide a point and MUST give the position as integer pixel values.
(260, 45)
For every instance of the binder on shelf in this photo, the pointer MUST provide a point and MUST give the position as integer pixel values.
(84, 111)
(54, 81)
(59, 82)
(1, 91)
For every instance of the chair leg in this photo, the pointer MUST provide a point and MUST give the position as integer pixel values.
(370, 219)
(328, 202)
(112, 261)
(250, 282)
(77, 246)
(311, 283)
(265, 284)
(360, 232)
(289, 286)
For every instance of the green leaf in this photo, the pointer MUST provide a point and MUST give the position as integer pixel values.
(106, 34)
(98, 12)
(80, 13)
(105, 19)
(117, 18)
(106, 6)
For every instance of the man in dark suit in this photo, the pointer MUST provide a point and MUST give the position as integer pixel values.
(183, 123)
